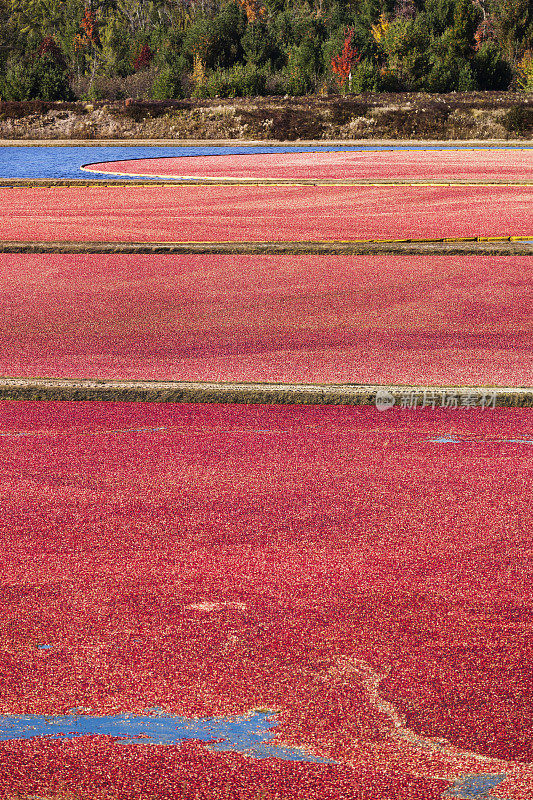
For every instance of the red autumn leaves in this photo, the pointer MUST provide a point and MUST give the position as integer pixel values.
(343, 63)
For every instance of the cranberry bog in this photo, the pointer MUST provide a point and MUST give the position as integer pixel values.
(237, 213)
(433, 164)
(375, 319)
(365, 575)
(268, 602)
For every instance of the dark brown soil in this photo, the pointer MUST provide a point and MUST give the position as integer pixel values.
(456, 116)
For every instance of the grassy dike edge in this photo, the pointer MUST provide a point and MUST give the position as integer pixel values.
(408, 397)
(474, 246)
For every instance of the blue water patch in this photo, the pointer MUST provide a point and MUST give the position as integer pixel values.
(46, 163)
(475, 787)
(250, 735)
(445, 440)
(102, 432)
(61, 163)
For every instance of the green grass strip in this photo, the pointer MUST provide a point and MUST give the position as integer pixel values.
(382, 396)
(510, 245)
(46, 183)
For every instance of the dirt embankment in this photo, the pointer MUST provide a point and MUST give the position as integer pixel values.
(457, 116)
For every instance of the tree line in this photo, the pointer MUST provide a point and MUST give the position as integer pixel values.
(165, 49)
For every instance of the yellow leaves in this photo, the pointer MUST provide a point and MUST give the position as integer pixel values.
(198, 72)
(380, 29)
(253, 8)
(524, 71)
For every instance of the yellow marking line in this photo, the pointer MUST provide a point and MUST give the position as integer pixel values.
(297, 181)
(350, 241)
(223, 180)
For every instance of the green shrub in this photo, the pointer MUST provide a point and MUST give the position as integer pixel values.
(247, 80)
(466, 81)
(491, 70)
(218, 84)
(259, 45)
(166, 85)
(442, 78)
(365, 77)
(43, 77)
(304, 64)
(17, 83)
(389, 81)
(242, 80)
